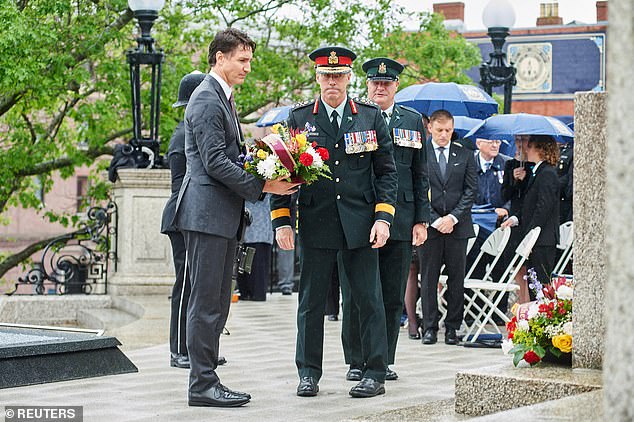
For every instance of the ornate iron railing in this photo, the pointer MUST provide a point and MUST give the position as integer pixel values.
(77, 262)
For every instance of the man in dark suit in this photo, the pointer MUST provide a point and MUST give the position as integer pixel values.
(343, 220)
(453, 184)
(209, 210)
(409, 227)
(181, 290)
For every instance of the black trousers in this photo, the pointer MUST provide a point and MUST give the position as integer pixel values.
(436, 251)
(394, 261)
(542, 260)
(180, 295)
(210, 261)
(332, 299)
(360, 267)
(254, 286)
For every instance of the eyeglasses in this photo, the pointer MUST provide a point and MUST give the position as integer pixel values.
(491, 141)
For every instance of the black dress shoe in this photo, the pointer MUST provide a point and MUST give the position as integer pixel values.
(415, 336)
(367, 387)
(430, 337)
(354, 374)
(221, 360)
(178, 360)
(391, 375)
(218, 396)
(333, 318)
(307, 387)
(451, 337)
(287, 291)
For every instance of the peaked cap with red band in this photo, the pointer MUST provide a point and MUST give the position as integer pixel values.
(333, 59)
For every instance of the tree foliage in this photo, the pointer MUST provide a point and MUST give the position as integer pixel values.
(64, 82)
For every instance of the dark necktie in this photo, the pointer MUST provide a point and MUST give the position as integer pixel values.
(386, 117)
(487, 167)
(233, 106)
(442, 161)
(334, 122)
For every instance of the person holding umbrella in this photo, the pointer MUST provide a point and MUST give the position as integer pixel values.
(540, 207)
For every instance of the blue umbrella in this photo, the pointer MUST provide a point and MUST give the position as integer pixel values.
(462, 125)
(274, 115)
(506, 126)
(459, 100)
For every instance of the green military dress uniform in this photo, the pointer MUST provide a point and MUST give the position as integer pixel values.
(335, 219)
(408, 137)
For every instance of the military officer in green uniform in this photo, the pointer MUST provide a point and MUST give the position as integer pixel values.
(347, 217)
(409, 227)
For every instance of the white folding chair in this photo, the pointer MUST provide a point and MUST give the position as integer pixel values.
(442, 280)
(566, 237)
(491, 293)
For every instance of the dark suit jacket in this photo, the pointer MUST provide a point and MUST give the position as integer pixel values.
(211, 198)
(540, 207)
(513, 190)
(178, 165)
(490, 183)
(412, 201)
(339, 213)
(455, 193)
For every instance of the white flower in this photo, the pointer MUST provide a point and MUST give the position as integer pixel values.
(564, 292)
(533, 310)
(523, 364)
(317, 161)
(266, 168)
(507, 345)
(568, 328)
(522, 325)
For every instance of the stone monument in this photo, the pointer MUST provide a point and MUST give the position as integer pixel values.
(144, 257)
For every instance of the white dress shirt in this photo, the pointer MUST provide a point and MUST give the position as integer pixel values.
(340, 108)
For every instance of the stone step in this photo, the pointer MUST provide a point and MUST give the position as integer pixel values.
(436, 411)
(497, 388)
(104, 318)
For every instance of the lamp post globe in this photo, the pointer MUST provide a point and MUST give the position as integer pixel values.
(498, 16)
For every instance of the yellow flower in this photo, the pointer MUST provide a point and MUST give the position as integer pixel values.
(563, 342)
(262, 154)
(246, 165)
(301, 139)
(276, 128)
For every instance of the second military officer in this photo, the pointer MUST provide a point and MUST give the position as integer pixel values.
(347, 217)
(409, 227)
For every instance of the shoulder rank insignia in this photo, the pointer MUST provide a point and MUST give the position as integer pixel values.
(366, 101)
(302, 104)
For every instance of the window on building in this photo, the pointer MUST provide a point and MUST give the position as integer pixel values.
(82, 191)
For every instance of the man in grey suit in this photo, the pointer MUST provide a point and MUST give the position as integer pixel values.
(210, 207)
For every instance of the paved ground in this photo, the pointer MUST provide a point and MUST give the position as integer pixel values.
(260, 351)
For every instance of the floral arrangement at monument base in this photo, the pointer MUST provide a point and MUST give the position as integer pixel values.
(542, 329)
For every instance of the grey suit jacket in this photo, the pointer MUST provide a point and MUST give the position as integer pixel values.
(211, 198)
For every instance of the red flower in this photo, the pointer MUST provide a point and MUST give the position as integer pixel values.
(511, 326)
(323, 153)
(306, 159)
(531, 357)
(314, 144)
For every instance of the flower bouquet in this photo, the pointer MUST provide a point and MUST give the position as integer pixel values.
(544, 327)
(286, 153)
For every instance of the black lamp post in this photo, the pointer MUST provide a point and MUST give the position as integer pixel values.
(498, 17)
(146, 148)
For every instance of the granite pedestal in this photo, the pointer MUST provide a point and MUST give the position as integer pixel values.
(41, 355)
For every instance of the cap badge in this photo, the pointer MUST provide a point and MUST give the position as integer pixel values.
(382, 68)
(333, 59)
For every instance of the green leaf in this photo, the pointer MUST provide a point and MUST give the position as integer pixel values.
(517, 357)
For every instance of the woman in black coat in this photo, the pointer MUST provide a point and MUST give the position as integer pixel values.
(540, 205)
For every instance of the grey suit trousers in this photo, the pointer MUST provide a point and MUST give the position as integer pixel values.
(210, 262)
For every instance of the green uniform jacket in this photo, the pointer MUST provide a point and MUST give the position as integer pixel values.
(412, 202)
(339, 213)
